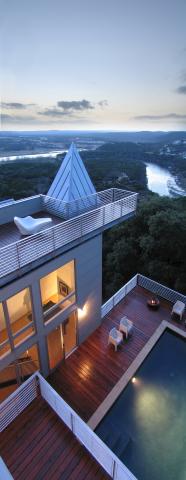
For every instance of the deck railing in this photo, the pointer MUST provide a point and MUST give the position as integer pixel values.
(118, 296)
(24, 395)
(145, 282)
(21, 253)
(77, 207)
(160, 290)
(18, 401)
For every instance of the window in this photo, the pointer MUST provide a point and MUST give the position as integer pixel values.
(20, 315)
(28, 363)
(8, 381)
(18, 371)
(4, 340)
(58, 290)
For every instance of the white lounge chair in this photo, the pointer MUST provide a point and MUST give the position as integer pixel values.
(29, 225)
(126, 326)
(178, 309)
(115, 337)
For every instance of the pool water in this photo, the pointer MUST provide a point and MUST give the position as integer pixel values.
(146, 427)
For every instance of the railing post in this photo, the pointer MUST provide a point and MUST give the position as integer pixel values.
(53, 238)
(81, 227)
(114, 470)
(103, 215)
(72, 422)
(18, 259)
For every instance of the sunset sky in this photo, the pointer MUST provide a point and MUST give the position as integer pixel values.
(94, 65)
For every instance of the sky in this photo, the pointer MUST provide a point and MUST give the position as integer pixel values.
(93, 64)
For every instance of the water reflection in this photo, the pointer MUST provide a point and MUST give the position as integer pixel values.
(161, 181)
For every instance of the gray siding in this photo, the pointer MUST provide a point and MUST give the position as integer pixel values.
(88, 271)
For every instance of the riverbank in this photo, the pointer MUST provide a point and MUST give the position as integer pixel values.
(163, 181)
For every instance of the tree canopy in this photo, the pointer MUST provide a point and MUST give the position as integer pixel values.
(153, 243)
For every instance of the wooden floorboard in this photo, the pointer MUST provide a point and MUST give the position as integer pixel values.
(9, 233)
(90, 373)
(38, 445)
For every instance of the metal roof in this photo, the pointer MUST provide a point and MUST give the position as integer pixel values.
(72, 181)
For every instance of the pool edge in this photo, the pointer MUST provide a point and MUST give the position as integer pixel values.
(110, 399)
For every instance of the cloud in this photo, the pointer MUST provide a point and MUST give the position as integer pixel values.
(181, 90)
(16, 105)
(168, 116)
(103, 103)
(72, 109)
(53, 112)
(5, 117)
(75, 105)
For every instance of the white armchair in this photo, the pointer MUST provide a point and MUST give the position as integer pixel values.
(115, 337)
(126, 326)
(29, 225)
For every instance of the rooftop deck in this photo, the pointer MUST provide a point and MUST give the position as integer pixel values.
(37, 445)
(9, 233)
(83, 218)
(90, 373)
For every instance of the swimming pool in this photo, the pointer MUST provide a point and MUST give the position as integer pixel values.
(146, 426)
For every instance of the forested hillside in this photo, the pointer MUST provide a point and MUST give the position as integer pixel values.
(152, 243)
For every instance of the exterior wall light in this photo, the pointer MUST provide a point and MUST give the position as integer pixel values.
(82, 311)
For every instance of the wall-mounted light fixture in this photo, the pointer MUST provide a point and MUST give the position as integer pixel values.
(82, 311)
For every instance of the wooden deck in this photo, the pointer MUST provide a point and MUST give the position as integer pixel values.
(90, 373)
(9, 233)
(38, 446)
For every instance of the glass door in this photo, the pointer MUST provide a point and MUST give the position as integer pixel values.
(62, 341)
(55, 347)
(70, 334)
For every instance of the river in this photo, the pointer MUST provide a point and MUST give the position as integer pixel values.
(161, 181)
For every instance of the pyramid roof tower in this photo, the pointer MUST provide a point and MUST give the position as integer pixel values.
(72, 181)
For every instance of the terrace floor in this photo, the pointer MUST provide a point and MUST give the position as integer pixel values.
(38, 446)
(9, 233)
(90, 373)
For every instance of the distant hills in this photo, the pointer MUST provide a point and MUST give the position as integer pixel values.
(135, 137)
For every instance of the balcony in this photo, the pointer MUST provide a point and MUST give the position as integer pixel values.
(72, 222)
(94, 369)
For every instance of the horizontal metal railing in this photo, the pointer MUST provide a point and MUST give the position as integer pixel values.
(145, 282)
(91, 202)
(118, 296)
(21, 253)
(24, 395)
(160, 290)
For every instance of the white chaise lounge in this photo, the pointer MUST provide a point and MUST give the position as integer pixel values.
(126, 326)
(178, 309)
(29, 225)
(115, 337)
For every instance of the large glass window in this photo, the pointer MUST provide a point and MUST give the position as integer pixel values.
(20, 315)
(18, 371)
(4, 340)
(58, 290)
(8, 381)
(28, 363)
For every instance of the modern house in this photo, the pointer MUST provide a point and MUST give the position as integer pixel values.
(51, 281)
(53, 326)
